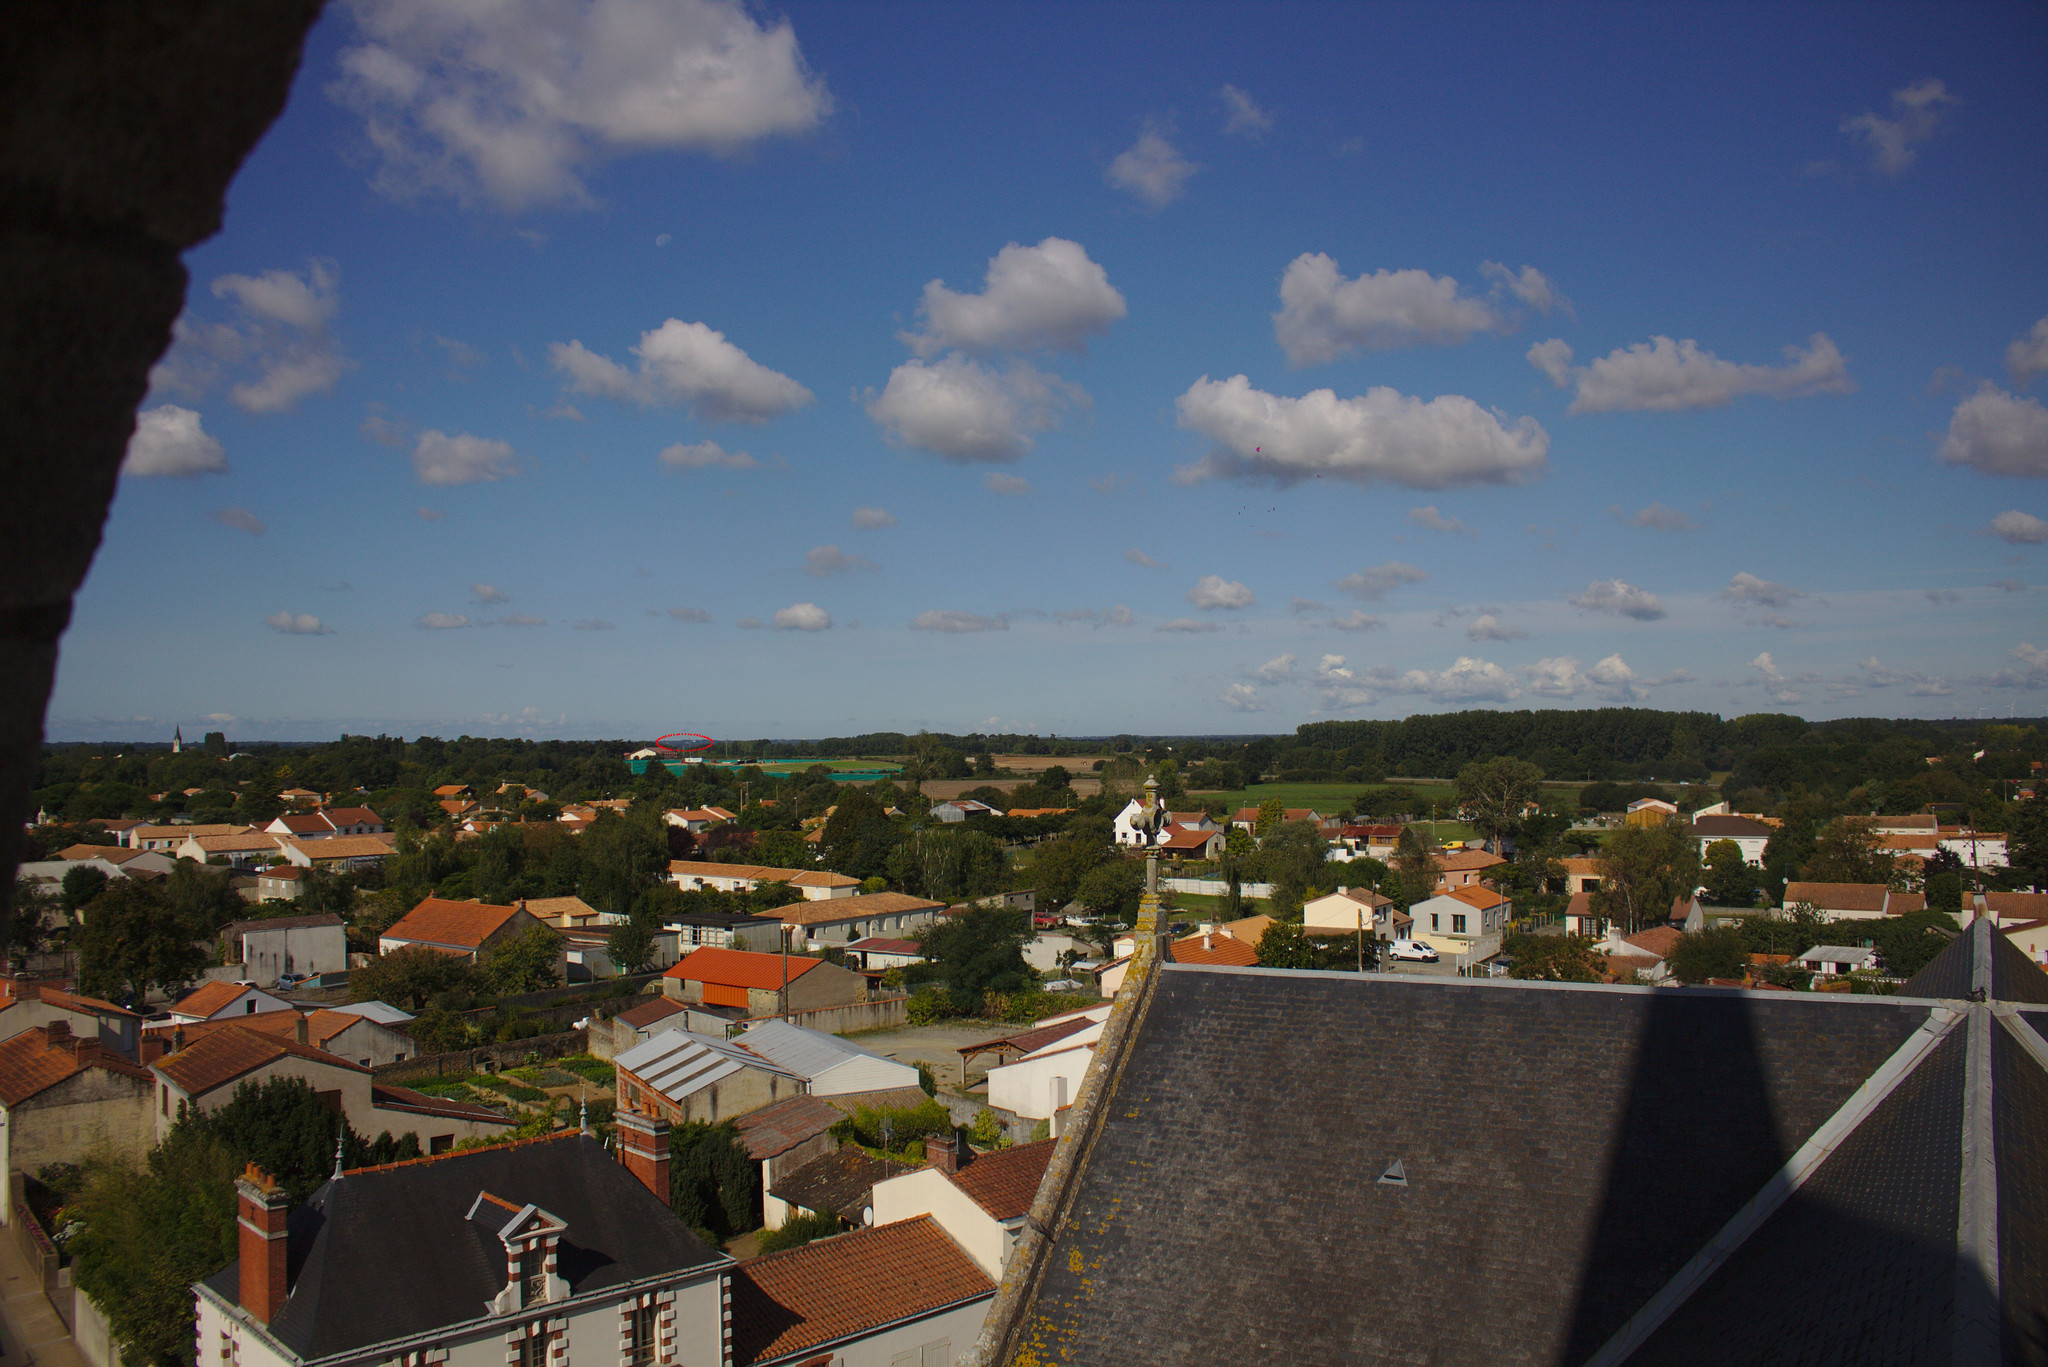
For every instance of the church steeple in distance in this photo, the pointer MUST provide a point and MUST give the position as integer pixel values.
(177, 740)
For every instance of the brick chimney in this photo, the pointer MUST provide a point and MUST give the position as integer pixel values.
(58, 1033)
(299, 1029)
(260, 1211)
(643, 1148)
(152, 1047)
(943, 1154)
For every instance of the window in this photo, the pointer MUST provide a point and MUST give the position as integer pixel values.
(441, 1143)
(642, 1330)
(166, 1094)
(1457, 925)
(1436, 922)
(533, 1277)
(249, 1007)
(533, 1349)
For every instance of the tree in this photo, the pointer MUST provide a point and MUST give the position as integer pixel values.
(950, 864)
(1495, 792)
(1111, 890)
(1730, 881)
(528, 961)
(411, 977)
(1848, 851)
(1285, 945)
(1718, 952)
(1941, 878)
(980, 951)
(1555, 959)
(630, 946)
(858, 837)
(1642, 869)
(1272, 812)
(30, 912)
(2027, 840)
(712, 1184)
(1058, 865)
(80, 886)
(132, 940)
(204, 898)
(1416, 870)
(283, 1127)
(1293, 857)
(623, 856)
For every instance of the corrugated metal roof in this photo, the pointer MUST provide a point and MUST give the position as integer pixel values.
(813, 1055)
(677, 1063)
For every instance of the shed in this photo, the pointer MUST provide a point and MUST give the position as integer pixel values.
(832, 1066)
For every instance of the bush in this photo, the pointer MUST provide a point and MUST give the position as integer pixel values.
(897, 1130)
(926, 1080)
(987, 1130)
(932, 1004)
(798, 1231)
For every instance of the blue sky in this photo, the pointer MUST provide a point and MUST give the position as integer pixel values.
(621, 368)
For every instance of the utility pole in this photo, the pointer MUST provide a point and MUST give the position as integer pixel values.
(782, 1003)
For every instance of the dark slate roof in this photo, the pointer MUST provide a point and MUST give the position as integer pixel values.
(388, 1252)
(1947, 974)
(2020, 1112)
(842, 1182)
(1566, 1151)
(2015, 977)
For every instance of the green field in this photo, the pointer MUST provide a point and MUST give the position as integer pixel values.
(1333, 798)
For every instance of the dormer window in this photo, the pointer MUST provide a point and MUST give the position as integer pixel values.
(531, 1238)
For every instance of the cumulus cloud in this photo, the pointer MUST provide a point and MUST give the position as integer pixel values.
(1279, 669)
(1138, 557)
(241, 519)
(442, 621)
(1323, 315)
(1872, 674)
(169, 441)
(1775, 682)
(958, 622)
(1750, 591)
(1560, 677)
(486, 593)
(2021, 529)
(594, 624)
(2027, 356)
(1214, 591)
(873, 519)
(1529, 285)
(1246, 119)
(705, 455)
(965, 411)
(1007, 486)
(1619, 597)
(1487, 627)
(2031, 671)
(824, 560)
(688, 364)
(1033, 298)
(1188, 624)
(1664, 376)
(1357, 620)
(1468, 680)
(1918, 111)
(803, 617)
(1381, 579)
(510, 105)
(689, 614)
(1242, 697)
(1118, 616)
(278, 341)
(1152, 168)
(462, 459)
(521, 619)
(1999, 434)
(1429, 519)
(297, 624)
(1382, 434)
(1656, 518)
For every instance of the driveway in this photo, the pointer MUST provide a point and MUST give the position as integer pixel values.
(937, 1047)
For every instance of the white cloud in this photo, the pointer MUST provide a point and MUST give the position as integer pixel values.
(824, 560)
(1381, 435)
(462, 459)
(1775, 682)
(803, 617)
(2032, 672)
(1560, 677)
(1381, 579)
(521, 619)
(958, 622)
(688, 364)
(705, 455)
(385, 431)
(1999, 434)
(279, 334)
(1118, 616)
(429, 514)
(1246, 119)
(1323, 315)
(2021, 529)
(689, 614)
(1357, 620)
(2027, 356)
(1138, 557)
(1468, 680)
(1279, 669)
(1242, 697)
(1214, 591)
(1619, 597)
(1529, 285)
(1487, 627)
(462, 357)
(594, 624)
(443, 621)
(1429, 519)
(1152, 168)
(1032, 298)
(297, 624)
(1656, 518)
(1187, 624)
(1664, 376)
(486, 593)
(1749, 590)
(965, 411)
(509, 105)
(873, 519)
(1005, 486)
(169, 441)
(241, 519)
(1918, 111)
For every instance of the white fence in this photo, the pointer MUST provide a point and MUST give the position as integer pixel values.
(1215, 887)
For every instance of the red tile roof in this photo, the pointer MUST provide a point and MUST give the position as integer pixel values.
(1659, 940)
(31, 1062)
(1005, 1183)
(1463, 861)
(2032, 906)
(1479, 897)
(209, 998)
(1222, 949)
(837, 1288)
(761, 873)
(1028, 1041)
(834, 909)
(779, 1128)
(1184, 839)
(386, 1097)
(743, 968)
(650, 1011)
(1838, 896)
(438, 922)
(12, 992)
(221, 1056)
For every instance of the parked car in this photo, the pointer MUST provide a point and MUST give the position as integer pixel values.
(287, 981)
(1414, 951)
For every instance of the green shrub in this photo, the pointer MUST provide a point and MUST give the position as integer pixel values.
(518, 1091)
(932, 1004)
(927, 1080)
(798, 1231)
(987, 1130)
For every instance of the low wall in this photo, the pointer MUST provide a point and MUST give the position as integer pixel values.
(1215, 887)
(483, 1058)
(885, 1013)
(44, 1263)
(94, 1335)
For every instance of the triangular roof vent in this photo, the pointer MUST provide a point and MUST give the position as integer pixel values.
(1394, 1176)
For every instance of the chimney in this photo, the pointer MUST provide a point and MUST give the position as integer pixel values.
(260, 1208)
(152, 1047)
(643, 1148)
(1208, 940)
(58, 1033)
(299, 1029)
(943, 1154)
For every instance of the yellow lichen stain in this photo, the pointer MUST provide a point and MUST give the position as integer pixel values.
(1074, 1261)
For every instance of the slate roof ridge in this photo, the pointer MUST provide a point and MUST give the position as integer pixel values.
(1514, 984)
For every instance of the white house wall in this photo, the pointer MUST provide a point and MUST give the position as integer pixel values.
(947, 1337)
(861, 1074)
(1026, 1087)
(929, 1192)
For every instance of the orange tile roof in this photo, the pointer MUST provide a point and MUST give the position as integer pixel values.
(1039, 811)
(1185, 839)
(31, 1062)
(439, 922)
(1838, 896)
(321, 1025)
(451, 790)
(1462, 861)
(833, 909)
(12, 992)
(240, 843)
(1222, 949)
(1659, 940)
(762, 873)
(207, 999)
(2032, 906)
(834, 1289)
(1250, 929)
(743, 968)
(349, 847)
(1005, 1183)
(221, 1056)
(113, 854)
(1479, 897)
